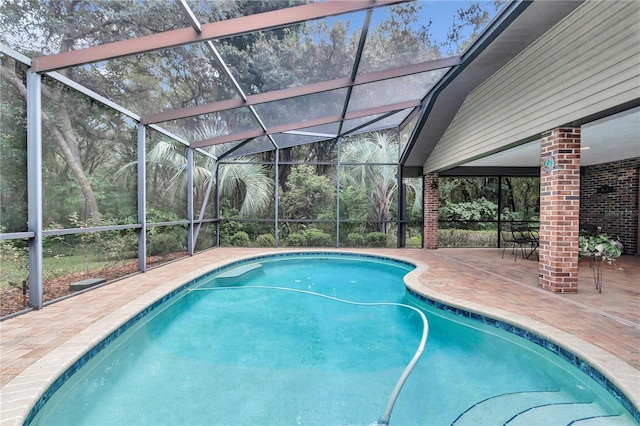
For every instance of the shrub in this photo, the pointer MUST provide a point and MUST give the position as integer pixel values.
(317, 238)
(414, 242)
(239, 239)
(265, 240)
(466, 238)
(355, 239)
(163, 244)
(296, 239)
(376, 239)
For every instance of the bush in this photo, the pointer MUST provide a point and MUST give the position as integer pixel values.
(376, 239)
(355, 239)
(239, 239)
(296, 239)
(163, 244)
(414, 242)
(467, 238)
(265, 240)
(317, 238)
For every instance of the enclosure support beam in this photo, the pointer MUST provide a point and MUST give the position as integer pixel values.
(203, 207)
(218, 204)
(306, 124)
(210, 31)
(190, 234)
(402, 211)
(339, 143)
(34, 186)
(142, 199)
(276, 192)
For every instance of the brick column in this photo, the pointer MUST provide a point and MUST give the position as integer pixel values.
(430, 202)
(559, 210)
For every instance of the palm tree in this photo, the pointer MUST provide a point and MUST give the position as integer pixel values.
(378, 181)
(248, 184)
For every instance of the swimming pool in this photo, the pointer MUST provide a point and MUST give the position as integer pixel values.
(257, 345)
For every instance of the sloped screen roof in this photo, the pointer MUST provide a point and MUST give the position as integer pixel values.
(252, 75)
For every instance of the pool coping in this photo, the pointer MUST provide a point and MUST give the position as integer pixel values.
(22, 393)
(600, 363)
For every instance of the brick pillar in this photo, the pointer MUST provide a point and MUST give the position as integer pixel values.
(430, 201)
(559, 210)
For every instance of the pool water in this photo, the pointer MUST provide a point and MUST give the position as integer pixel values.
(264, 348)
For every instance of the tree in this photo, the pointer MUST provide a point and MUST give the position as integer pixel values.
(248, 186)
(378, 181)
(307, 195)
(13, 158)
(186, 76)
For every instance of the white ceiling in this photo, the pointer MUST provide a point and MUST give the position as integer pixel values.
(613, 138)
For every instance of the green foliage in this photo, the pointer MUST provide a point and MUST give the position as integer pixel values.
(155, 215)
(297, 239)
(376, 239)
(355, 239)
(317, 238)
(599, 245)
(111, 246)
(163, 244)
(378, 182)
(353, 200)
(229, 228)
(89, 150)
(254, 229)
(265, 240)
(414, 242)
(206, 237)
(520, 198)
(466, 238)
(454, 190)
(239, 239)
(14, 262)
(164, 240)
(307, 195)
(13, 153)
(476, 199)
(477, 210)
(245, 189)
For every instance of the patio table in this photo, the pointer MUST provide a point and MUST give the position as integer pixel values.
(527, 238)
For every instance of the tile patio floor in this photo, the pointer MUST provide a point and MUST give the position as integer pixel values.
(603, 329)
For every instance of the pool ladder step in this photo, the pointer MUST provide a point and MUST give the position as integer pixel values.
(536, 408)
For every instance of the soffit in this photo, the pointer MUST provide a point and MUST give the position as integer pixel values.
(502, 44)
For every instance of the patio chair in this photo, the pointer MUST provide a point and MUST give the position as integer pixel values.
(526, 239)
(508, 240)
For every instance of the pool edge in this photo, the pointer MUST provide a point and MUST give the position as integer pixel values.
(613, 370)
(16, 410)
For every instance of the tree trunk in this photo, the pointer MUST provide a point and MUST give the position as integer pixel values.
(65, 140)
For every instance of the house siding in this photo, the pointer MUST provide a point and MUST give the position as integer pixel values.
(586, 64)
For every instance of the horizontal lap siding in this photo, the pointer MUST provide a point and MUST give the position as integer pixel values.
(586, 64)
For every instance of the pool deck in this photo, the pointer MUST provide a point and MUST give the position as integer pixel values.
(603, 329)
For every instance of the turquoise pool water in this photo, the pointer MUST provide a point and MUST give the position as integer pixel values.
(264, 348)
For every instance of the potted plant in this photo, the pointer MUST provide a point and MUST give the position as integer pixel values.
(600, 246)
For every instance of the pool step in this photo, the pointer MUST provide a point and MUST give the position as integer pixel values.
(236, 275)
(562, 414)
(535, 408)
(612, 420)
